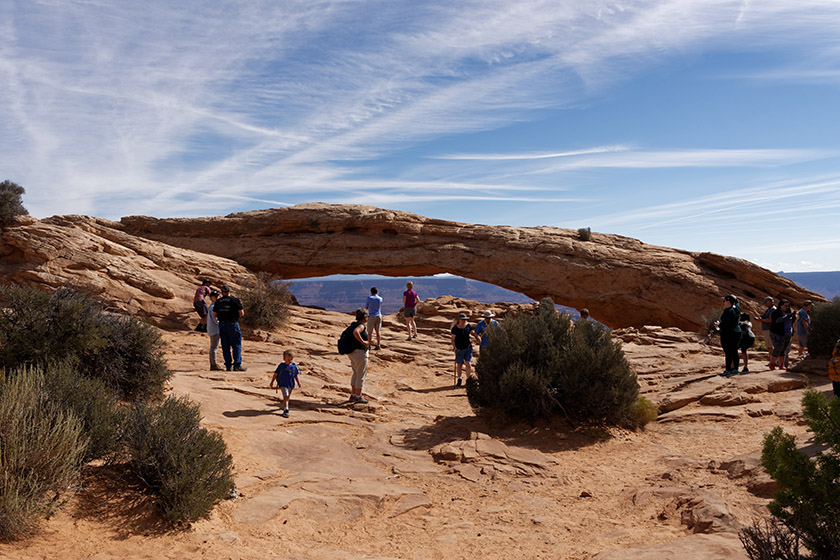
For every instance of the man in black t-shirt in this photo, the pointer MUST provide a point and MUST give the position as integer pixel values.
(228, 310)
(462, 345)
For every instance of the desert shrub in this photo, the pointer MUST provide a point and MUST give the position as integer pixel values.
(808, 500)
(41, 452)
(541, 365)
(186, 466)
(585, 234)
(92, 402)
(825, 327)
(265, 302)
(643, 412)
(769, 539)
(10, 202)
(40, 327)
(132, 362)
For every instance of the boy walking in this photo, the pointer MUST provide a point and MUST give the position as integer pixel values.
(285, 376)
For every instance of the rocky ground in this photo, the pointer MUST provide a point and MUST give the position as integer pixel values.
(414, 474)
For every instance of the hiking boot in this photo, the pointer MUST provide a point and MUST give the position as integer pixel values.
(460, 382)
(745, 370)
(214, 367)
(285, 413)
(239, 368)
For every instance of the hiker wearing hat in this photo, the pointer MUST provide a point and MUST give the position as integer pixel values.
(730, 334)
(462, 346)
(228, 310)
(200, 305)
(483, 327)
(803, 327)
(765, 324)
(213, 331)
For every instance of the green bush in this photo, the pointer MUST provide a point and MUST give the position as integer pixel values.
(825, 327)
(643, 412)
(584, 234)
(132, 362)
(807, 503)
(39, 327)
(187, 467)
(542, 365)
(10, 202)
(92, 402)
(41, 452)
(266, 302)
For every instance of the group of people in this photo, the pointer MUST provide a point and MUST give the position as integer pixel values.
(779, 323)
(220, 320)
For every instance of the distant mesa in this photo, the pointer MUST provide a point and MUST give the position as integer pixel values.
(622, 281)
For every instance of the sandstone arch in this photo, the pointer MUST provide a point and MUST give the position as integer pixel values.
(623, 281)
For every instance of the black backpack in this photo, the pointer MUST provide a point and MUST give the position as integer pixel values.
(347, 342)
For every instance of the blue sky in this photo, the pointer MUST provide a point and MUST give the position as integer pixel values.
(706, 125)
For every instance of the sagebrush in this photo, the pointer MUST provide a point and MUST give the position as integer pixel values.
(825, 327)
(39, 327)
(543, 366)
(265, 302)
(42, 447)
(184, 465)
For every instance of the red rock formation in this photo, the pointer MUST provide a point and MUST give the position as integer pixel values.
(622, 281)
(129, 273)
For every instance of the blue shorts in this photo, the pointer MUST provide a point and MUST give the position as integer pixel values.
(464, 355)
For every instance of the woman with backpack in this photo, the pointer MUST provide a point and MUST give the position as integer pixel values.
(354, 343)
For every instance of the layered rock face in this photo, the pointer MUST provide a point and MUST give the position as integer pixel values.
(128, 273)
(622, 281)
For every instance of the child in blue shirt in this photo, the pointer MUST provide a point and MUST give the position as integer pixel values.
(285, 375)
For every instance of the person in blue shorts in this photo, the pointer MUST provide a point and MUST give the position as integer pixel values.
(462, 345)
(285, 376)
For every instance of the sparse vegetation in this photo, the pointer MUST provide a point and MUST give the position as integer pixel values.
(42, 448)
(11, 204)
(266, 302)
(542, 366)
(187, 467)
(825, 327)
(585, 234)
(807, 505)
(39, 327)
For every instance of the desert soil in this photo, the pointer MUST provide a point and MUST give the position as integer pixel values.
(416, 475)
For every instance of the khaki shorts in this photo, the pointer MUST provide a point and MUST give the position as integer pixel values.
(375, 323)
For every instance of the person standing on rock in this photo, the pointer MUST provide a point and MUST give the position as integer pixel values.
(374, 307)
(462, 345)
(483, 326)
(357, 339)
(765, 325)
(200, 305)
(803, 327)
(747, 340)
(410, 299)
(730, 334)
(213, 331)
(228, 310)
(781, 333)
